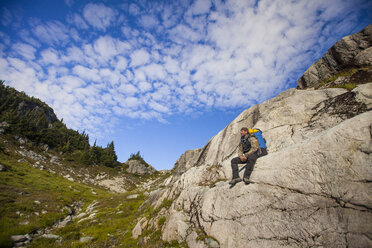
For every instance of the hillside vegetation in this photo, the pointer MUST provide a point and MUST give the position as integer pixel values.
(37, 200)
(34, 120)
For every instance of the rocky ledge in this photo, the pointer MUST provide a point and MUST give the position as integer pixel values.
(351, 52)
(313, 189)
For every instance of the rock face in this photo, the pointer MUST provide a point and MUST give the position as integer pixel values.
(313, 189)
(353, 51)
(139, 167)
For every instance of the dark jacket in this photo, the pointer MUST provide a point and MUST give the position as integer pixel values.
(248, 145)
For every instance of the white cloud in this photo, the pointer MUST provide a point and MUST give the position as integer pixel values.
(69, 3)
(121, 63)
(87, 73)
(134, 9)
(132, 102)
(51, 33)
(99, 15)
(70, 83)
(182, 33)
(128, 89)
(154, 71)
(26, 36)
(159, 107)
(6, 17)
(73, 54)
(200, 7)
(25, 50)
(78, 21)
(144, 86)
(105, 46)
(139, 57)
(50, 56)
(139, 75)
(111, 77)
(196, 56)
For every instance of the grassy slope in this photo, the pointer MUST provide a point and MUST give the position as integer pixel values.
(21, 185)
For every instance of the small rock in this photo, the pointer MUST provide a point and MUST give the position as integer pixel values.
(137, 230)
(18, 238)
(44, 211)
(22, 141)
(3, 168)
(211, 243)
(37, 213)
(69, 210)
(24, 223)
(92, 215)
(4, 124)
(22, 160)
(37, 202)
(45, 147)
(68, 177)
(50, 236)
(135, 196)
(81, 215)
(54, 160)
(42, 168)
(86, 239)
(65, 222)
(94, 193)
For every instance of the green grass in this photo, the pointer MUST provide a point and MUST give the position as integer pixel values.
(349, 86)
(346, 73)
(115, 218)
(334, 77)
(22, 185)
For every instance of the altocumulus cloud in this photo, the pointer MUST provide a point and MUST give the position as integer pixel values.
(151, 60)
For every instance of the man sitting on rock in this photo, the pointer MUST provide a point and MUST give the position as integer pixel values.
(249, 152)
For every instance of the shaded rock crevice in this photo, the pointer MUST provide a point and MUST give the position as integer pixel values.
(344, 106)
(203, 154)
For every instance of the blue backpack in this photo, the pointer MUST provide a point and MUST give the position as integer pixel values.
(258, 134)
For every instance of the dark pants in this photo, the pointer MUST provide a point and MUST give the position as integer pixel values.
(251, 160)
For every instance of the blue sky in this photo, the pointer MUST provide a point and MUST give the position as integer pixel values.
(162, 77)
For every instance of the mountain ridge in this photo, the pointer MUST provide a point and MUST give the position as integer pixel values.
(310, 190)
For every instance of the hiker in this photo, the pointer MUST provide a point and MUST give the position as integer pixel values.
(249, 152)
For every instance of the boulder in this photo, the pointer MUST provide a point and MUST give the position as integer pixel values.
(18, 238)
(353, 51)
(86, 239)
(312, 189)
(3, 168)
(139, 167)
(137, 230)
(134, 196)
(176, 227)
(51, 236)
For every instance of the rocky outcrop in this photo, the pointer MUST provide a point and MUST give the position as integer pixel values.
(313, 189)
(139, 167)
(353, 51)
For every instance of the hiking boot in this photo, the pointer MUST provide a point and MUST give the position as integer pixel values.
(235, 180)
(246, 180)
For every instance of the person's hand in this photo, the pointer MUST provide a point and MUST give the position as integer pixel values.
(243, 159)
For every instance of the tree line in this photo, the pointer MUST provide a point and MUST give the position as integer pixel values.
(35, 120)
